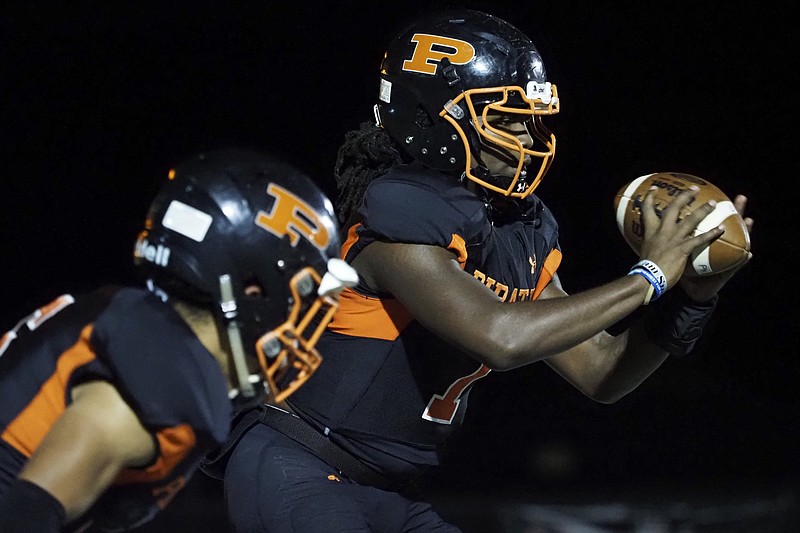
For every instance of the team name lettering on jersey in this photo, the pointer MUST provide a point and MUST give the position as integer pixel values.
(431, 49)
(291, 216)
(503, 291)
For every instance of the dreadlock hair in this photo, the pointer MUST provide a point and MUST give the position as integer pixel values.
(366, 153)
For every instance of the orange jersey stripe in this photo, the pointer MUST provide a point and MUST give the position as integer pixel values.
(364, 316)
(548, 271)
(352, 237)
(26, 431)
(458, 246)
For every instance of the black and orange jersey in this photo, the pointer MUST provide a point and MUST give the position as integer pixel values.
(130, 338)
(390, 391)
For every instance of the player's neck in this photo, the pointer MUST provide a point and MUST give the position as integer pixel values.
(205, 328)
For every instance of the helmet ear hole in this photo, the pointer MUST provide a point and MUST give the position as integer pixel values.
(422, 118)
(253, 288)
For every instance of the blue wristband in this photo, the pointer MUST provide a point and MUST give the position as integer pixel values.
(653, 274)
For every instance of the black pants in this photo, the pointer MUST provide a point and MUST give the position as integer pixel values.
(273, 483)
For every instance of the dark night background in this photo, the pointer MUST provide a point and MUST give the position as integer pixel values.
(99, 99)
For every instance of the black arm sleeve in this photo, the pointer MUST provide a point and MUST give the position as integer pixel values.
(676, 322)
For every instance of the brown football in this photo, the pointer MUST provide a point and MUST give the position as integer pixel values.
(727, 252)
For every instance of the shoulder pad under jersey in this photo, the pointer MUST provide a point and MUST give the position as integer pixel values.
(417, 205)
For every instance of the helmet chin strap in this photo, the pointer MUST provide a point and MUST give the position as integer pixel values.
(482, 172)
(230, 311)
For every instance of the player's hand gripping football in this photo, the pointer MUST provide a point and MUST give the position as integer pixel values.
(701, 289)
(669, 240)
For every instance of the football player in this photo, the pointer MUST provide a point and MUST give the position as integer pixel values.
(457, 260)
(109, 400)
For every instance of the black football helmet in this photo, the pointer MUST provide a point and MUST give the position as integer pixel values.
(231, 220)
(441, 78)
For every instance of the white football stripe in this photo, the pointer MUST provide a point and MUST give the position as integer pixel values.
(701, 261)
(635, 184)
(721, 212)
(621, 209)
(626, 199)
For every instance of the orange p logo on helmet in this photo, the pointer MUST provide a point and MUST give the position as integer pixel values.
(431, 49)
(291, 216)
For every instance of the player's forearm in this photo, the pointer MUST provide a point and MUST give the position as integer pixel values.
(605, 368)
(547, 327)
(639, 359)
(608, 367)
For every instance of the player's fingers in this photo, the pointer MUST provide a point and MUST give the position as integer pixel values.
(702, 240)
(672, 212)
(650, 218)
(690, 223)
(740, 203)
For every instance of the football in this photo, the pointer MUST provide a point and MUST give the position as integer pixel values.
(727, 252)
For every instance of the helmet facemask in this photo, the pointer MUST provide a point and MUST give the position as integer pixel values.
(524, 106)
(287, 354)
